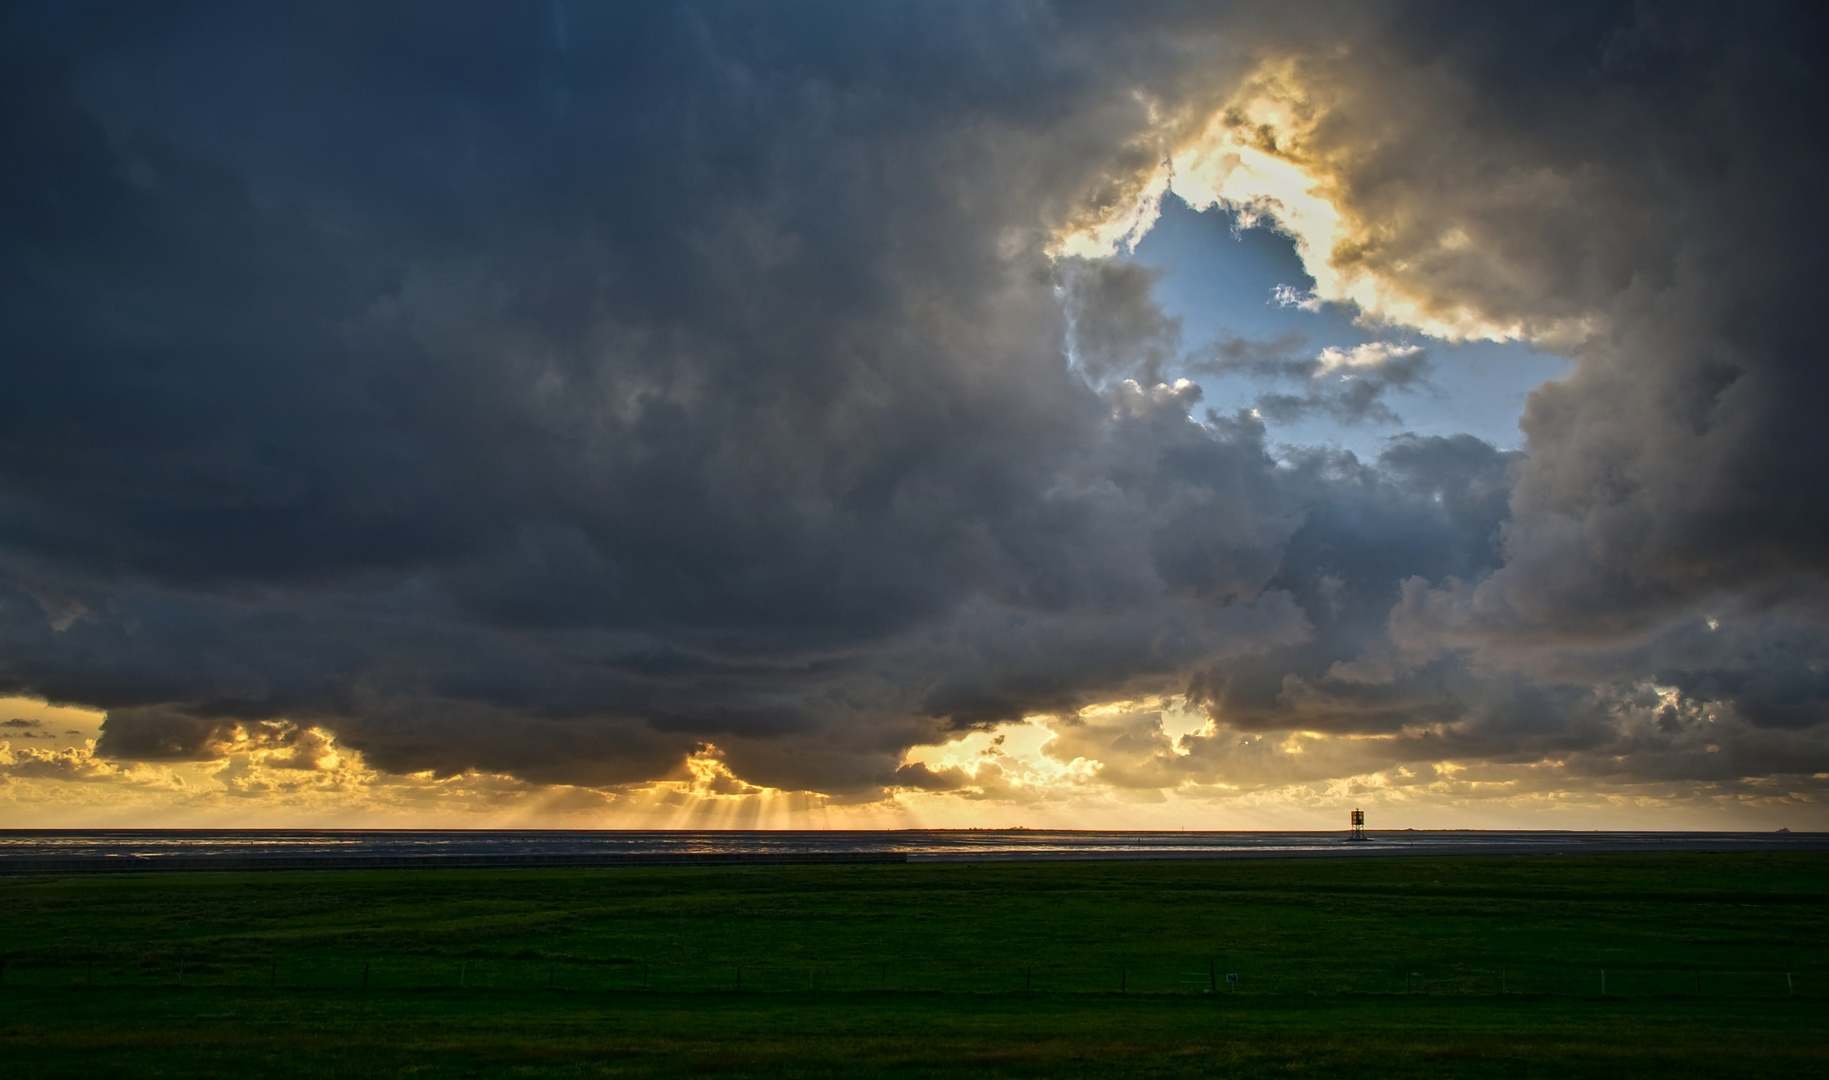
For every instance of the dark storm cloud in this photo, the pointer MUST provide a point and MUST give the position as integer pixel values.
(1428, 506)
(555, 391)
(1114, 327)
(1658, 174)
(554, 403)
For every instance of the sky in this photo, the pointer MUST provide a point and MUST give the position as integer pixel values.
(921, 414)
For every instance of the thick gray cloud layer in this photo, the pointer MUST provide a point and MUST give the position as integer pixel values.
(552, 391)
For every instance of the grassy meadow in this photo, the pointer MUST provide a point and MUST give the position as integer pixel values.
(1714, 965)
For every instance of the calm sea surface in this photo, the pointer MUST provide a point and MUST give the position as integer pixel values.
(20, 848)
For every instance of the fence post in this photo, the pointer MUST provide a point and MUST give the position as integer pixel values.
(89, 975)
(1025, 979)
(1123, 981)
(644, 976)
(1501, 980)
(1212, 976)
(1603, 982)
(551, 970)
(1789, 987)
(463, 973)
(273, 975)
(365, 976)
(739, 976)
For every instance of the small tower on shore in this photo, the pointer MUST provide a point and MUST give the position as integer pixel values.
(1357, 832)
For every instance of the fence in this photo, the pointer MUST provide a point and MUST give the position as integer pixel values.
(1203, 975)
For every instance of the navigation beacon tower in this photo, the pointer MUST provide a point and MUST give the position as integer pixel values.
(1358, 830)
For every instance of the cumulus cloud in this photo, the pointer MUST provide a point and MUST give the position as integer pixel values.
(1347, 384)
(1471, 173)
(557, 406)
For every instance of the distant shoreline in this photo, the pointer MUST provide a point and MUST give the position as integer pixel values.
(39, 852)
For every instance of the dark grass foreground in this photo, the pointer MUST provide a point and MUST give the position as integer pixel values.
(1715, 965)
(439, 1034)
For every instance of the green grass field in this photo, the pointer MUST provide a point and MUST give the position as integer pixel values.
(1715, 965)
